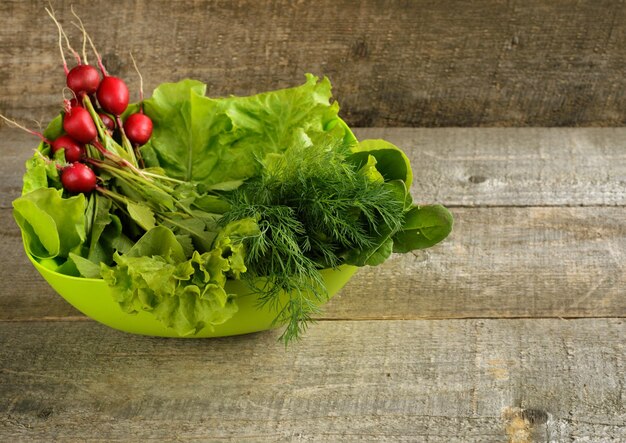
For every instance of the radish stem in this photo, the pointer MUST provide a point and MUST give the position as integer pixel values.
(162, 177)
(125, 141)
(94, 115)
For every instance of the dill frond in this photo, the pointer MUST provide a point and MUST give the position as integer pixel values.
(312, 207)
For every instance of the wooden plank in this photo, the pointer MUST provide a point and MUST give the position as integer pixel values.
(436, 381)
(513, 166)
(502, 262)
(464, 166)
(498, 262)
(393, 63)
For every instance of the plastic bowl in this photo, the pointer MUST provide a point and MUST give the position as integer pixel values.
(93, 298)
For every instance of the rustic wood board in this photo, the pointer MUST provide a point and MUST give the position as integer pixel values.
(499, 262)
(435, 381)
(464, 166)
(393, 63)
(514, 166)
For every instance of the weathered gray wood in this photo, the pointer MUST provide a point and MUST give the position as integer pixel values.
(498, 262)
(436, 381)
(393, 63)
(514, 166)
(502, 262)
(463, 166)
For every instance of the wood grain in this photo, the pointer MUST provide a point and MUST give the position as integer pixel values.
(498, 263)
(393, 63)
(513, 166)
(464, 166)
(450, 381)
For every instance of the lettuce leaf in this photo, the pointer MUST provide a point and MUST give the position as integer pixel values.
(184, 294)
(180, 130)
(216, 141)
(52, 226)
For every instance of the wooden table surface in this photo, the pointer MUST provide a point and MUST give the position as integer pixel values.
(510, 331)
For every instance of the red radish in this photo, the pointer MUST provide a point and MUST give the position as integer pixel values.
(74, 151)
(83, 79)
(138, 128)
(74, 103)
(79, 125)
(113, 95)
(107, 120)
(78, 178)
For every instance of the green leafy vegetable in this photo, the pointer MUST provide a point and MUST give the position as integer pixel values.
(141, 214)
(424, 226)
(314, 210)
(391, 162)
(181, 119)
(36, 174)
(52, 226)
(185, 294)
(84, 266)
(215, 141)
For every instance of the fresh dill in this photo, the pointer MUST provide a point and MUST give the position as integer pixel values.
(312, 206)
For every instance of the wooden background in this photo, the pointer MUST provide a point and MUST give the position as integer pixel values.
(393, 63)
(512, 330)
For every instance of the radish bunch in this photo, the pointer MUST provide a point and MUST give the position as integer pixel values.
(93, 114)
(95, 137)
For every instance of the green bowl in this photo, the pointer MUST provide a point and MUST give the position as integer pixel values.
(93, 298)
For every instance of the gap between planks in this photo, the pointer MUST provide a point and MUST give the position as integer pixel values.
(79, 318)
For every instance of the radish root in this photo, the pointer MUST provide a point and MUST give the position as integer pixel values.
(64, 35)
(60, 41)
(24, 128)
(84, 31)
(95, 51)
(140, 81)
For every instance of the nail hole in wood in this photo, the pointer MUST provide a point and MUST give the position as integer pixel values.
(476, 179)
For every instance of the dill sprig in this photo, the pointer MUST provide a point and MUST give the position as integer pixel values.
(312, 206)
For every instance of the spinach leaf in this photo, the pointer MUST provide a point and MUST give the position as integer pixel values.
(86, 268)
(391, 162)
(424, 226)
(100, 220)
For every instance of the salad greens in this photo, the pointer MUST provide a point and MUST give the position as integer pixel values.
(217, 141)
(270, 188)
(53, 226)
